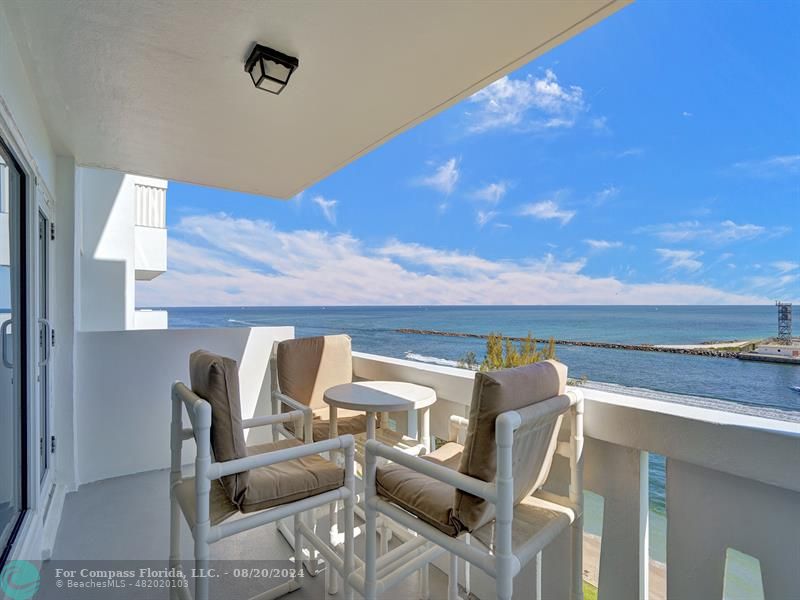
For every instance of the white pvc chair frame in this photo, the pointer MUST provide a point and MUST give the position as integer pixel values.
(503, 565)
(206, 471)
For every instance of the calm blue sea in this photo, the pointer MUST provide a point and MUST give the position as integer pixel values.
(372, 330)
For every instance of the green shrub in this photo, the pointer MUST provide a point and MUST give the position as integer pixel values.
(503, 353)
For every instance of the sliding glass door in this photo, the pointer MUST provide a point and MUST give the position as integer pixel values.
(13, 368)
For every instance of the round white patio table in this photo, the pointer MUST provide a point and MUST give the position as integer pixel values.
(374, 397)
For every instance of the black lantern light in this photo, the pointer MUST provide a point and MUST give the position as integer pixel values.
(269, 69)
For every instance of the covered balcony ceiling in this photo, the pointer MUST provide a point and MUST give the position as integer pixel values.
(158, 88)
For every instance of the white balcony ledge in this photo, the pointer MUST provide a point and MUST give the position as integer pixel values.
(150, 251)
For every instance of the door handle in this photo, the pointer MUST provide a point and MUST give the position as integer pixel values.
(45, 358)
(3, 337)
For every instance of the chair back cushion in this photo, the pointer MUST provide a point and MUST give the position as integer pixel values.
(216, 380)
(309, 366)
(493, 394)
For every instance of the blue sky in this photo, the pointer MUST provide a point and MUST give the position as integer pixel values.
(653, 159)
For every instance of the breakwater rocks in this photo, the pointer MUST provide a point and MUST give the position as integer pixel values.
(719, 353)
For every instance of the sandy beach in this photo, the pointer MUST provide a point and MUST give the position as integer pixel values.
(591, 568)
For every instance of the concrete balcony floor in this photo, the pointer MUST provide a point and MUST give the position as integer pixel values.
(127, 518)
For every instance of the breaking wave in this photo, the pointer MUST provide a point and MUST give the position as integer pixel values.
(434, 360)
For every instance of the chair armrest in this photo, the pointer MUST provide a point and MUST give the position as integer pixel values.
(457, 426)
(240, 465)
(272, 419)
(471, 485)
(308, 415)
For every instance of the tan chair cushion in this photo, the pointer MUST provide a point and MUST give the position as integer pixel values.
(347, 421)
(423, 496)
(309, 366)
(269, 486)
(288, 481)
(216, 380)
(494, 393)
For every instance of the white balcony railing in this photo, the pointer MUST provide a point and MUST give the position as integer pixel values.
(151, 206)
(150, 235)
(732, 481)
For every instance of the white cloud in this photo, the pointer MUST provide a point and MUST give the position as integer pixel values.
(773, 285)
(444, 178)
(774, 166)
(438, 260)
(328, 208)
(606, 194)
(547, 209)
(491, 193)
(602, 244)
(600, 124)
(218, 260)
(729, 231)
(681, 259)
(529, 104)
(785, 266)
(482, 217)
(719, 233)
(686, 114)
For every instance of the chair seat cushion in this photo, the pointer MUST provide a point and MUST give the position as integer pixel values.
(347, 422)
(537, 521)
(425, 497)
(288, 481)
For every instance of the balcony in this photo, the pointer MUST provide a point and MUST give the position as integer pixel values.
(150, 233)
(730, 499)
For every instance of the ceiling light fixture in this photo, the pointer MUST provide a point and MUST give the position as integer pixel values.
(269, 69)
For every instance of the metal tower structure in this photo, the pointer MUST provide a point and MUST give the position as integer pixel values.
(784, 321)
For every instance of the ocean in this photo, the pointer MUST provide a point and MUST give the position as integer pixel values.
(764, 388)
(753, 387)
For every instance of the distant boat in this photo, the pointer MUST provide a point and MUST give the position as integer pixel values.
(795, 388)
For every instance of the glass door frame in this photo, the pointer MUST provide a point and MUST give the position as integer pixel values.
(43, 365)
(19, 241)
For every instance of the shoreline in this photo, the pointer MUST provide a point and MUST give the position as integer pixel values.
(592, 545)
(719, 350)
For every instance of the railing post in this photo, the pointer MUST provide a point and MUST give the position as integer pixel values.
(202, 493)
(576, 495)
(176, 445)
(644, 525)
(505, 426)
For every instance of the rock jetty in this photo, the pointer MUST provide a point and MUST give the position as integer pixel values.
(719, 353)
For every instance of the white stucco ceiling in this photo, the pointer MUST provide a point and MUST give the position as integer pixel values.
(158, 88)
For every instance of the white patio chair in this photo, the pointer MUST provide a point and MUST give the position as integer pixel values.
(488, 489)
(266, 482)
(303, 369)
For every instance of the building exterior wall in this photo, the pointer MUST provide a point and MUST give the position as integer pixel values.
(112, 246)
(792, 350)
(123, 391)
(23, 129)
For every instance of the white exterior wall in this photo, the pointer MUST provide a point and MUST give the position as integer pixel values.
(150, 252)
(150, 319)
(20, 110)
(23, 129)
(111, 246)
(792, 350)
(106, 250)
(123, 405)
